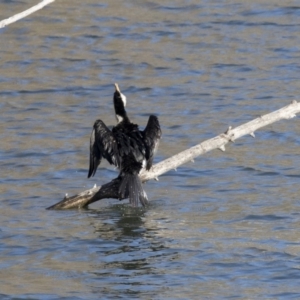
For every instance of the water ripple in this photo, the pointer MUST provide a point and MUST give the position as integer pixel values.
(224, 226)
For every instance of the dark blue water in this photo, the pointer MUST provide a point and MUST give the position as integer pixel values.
(226, 226)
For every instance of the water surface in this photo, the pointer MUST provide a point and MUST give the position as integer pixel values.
(226, 226)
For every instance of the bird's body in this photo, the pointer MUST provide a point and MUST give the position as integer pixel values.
(126, 147)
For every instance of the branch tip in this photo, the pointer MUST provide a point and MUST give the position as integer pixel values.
(228, 130)
(252, 134)
(25, 13)
(229, 134)
(222, 148)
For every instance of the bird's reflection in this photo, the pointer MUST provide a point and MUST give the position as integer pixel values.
(130, 251)
(118, 221)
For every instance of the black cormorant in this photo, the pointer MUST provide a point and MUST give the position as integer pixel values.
(126, 147)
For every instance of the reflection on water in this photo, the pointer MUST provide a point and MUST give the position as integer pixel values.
(224, 226)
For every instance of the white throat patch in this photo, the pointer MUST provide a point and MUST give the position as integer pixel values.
(123, 97)
(119, 118)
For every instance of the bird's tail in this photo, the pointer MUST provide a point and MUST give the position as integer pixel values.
(131, 187)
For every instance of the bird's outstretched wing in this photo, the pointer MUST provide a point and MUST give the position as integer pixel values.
(152, 135)
(102, 144)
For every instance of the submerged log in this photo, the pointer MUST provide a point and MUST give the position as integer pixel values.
(110, 190)
(83, 199)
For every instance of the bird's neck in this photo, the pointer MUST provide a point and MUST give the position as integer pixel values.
(122, 117)
(120, 111)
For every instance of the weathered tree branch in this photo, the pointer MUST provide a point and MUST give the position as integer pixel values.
(25, 13)
(110, 190)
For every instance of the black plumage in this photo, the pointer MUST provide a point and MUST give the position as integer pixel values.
(126, 147)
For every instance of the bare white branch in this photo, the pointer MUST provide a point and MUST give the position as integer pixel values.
(25, 13)
(110, 190)
(221, 140)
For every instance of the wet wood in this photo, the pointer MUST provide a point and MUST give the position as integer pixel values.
(83, 199)
(109, 190)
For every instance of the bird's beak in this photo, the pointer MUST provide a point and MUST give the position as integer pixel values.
(117, 88)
